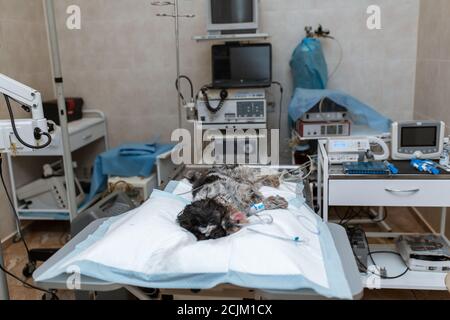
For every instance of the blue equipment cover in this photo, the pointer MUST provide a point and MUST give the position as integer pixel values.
(309, 66)
(361, 114)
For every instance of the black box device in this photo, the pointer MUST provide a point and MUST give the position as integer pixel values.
(242, 66)
(74, 109)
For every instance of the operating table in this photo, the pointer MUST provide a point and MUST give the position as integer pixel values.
(166, 172)
(94, 285)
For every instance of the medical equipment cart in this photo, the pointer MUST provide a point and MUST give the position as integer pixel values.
(409, 189)
(91, 128)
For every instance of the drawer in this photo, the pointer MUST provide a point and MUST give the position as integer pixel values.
(394, 193)
(87, 136)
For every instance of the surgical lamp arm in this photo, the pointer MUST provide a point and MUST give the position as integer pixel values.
(23, 94)
(12, 89)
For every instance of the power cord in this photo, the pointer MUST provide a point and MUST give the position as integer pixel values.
(37, 132)
(341, 58)
(223, 98)
(14, 210)
(29, 286)
(371, 254)
(26, 284)
(177, 86)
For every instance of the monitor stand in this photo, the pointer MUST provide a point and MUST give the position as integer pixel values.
(231, 37)
(232, 32)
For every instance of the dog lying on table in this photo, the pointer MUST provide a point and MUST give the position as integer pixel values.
(224, 198)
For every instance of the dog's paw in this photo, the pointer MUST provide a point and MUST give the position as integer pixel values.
(277, 202)
(271, 181)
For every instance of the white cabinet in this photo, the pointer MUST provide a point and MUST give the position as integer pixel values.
(409, 190)
(396, 193)
(92, 127)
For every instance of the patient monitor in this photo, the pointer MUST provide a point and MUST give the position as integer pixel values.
(417, 139)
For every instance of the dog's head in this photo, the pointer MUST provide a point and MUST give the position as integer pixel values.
(207, 219)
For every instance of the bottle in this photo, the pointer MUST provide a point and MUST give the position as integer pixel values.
(445, 157)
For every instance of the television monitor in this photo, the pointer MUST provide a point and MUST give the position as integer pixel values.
(242, 66)
(233, 16)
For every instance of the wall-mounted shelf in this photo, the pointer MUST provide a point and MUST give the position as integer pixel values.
(232, 37)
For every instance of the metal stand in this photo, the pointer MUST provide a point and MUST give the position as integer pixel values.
(176, 15)
(4, 295)
(59, 88)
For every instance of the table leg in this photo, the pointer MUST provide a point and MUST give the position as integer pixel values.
(443, 220)
(4, 295)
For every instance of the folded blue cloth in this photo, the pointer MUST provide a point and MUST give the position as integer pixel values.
(128, 160)
(361, 114)
(137, 149)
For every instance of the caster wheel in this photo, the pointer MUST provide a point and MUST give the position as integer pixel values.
(48, 296)
(29, 269)
(153, 294)
(17, 238)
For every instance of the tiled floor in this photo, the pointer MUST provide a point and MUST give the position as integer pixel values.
(55, 234)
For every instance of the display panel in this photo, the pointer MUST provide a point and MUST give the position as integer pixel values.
(242, 66)
(418, 137)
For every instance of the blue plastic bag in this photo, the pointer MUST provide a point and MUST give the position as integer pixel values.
(309, 66)
(361, 114)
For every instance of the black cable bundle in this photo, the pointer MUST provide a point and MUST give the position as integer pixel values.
(38, 132)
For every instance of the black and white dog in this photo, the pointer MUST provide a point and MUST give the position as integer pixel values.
(223, 198)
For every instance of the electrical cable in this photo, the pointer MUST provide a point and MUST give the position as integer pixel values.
(16, 133)
(385, 252)
(371, 254)
(341, 57)
(14, 210)
(223, 98)
(26, 284)
(177, 84)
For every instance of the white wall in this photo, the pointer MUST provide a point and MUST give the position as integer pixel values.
(123, 59)
(433, 73)
(24, 57)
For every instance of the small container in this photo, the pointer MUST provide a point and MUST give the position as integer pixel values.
(445, 157)
(257, 208)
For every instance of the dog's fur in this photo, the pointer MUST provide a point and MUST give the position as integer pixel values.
(223, 198)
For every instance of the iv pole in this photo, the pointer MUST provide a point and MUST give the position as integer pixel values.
(176, 15)
(59, 87)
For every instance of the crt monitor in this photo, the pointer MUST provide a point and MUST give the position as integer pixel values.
(417, 139)
(230, 16)
(242, 66)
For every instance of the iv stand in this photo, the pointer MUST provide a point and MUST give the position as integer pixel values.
(176, 15)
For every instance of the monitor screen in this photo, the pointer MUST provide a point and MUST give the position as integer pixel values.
(232, 11)
(242, 66)
(419, 137)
